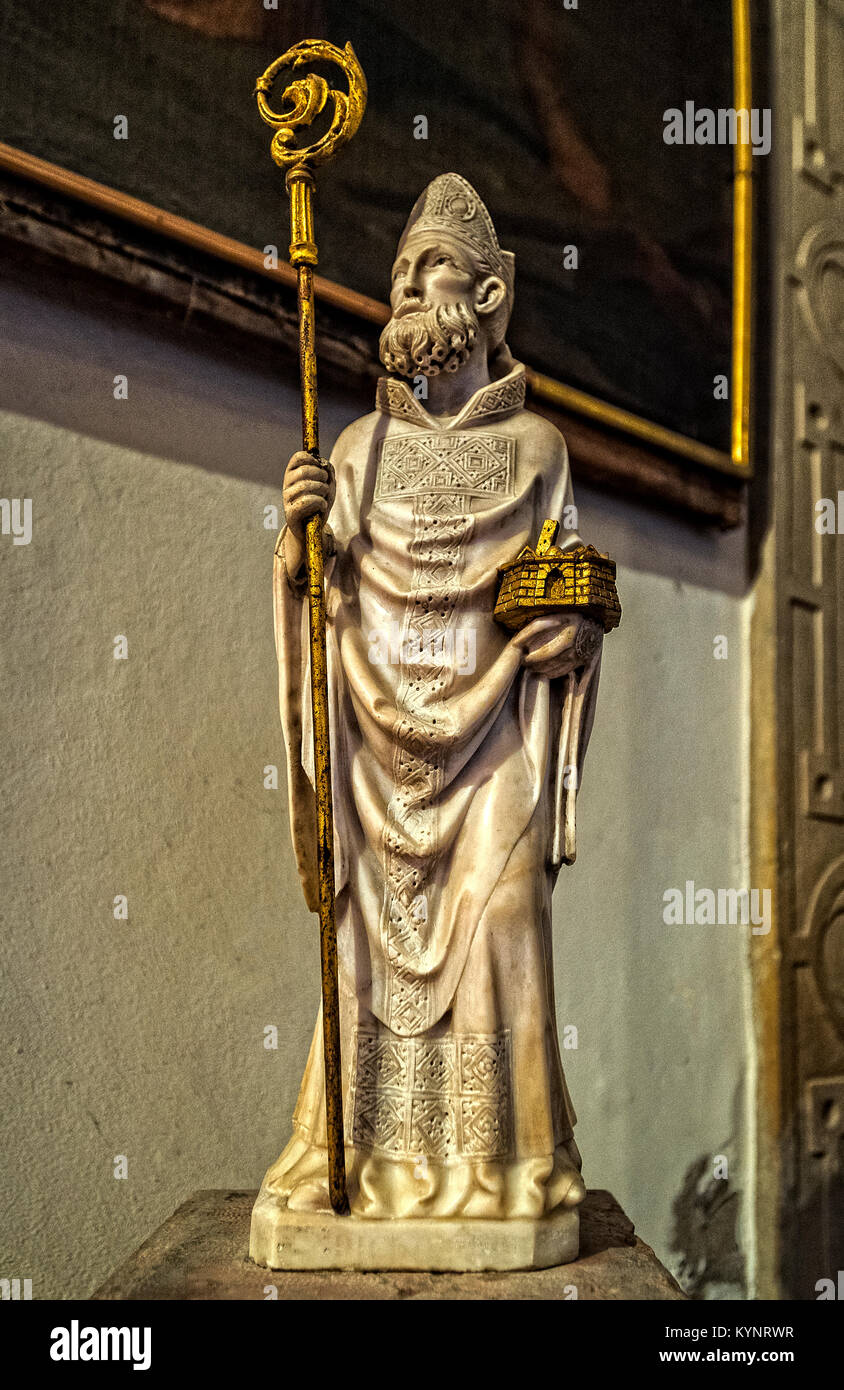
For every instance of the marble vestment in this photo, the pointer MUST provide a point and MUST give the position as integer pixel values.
(454, 774)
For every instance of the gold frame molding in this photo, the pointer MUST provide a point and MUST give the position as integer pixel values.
(742, 248)
(556, 393)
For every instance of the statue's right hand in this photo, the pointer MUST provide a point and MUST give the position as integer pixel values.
(308, 490)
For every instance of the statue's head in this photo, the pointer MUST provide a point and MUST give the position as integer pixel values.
(452, 289)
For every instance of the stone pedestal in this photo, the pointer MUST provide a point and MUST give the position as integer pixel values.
(201, 1252)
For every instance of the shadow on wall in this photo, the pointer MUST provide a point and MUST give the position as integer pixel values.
(706, 1214)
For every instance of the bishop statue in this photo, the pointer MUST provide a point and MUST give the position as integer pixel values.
(457, 748)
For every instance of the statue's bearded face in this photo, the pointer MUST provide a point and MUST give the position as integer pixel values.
(434, 325)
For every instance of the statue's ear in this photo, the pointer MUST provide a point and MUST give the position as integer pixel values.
(490, 293)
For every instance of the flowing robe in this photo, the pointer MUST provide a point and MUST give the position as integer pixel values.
(454, 771)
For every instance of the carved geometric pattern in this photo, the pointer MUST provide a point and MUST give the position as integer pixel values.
(503, 396)
(379, 1122)
(473, 464)
(441, 1098)
(433, 1126)
(500, 398)
(481, 1123)
(380, 1065)
(395, 398)
(481, 1062)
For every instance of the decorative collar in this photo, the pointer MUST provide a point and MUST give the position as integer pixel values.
(394, 397)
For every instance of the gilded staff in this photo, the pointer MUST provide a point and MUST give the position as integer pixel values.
(305, 98)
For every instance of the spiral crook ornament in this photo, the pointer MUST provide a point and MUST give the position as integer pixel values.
(305, 97)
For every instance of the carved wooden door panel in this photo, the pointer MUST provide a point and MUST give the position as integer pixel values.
(808, 485)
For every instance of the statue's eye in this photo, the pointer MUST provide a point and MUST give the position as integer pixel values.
(442, 260)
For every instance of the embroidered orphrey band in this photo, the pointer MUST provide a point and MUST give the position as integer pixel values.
(440, 473)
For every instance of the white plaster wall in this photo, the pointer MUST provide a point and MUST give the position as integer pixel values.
(144, 777)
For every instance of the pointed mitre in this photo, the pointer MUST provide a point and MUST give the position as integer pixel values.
(450, 204)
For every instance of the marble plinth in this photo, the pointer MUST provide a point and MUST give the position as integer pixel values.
(284, 1239)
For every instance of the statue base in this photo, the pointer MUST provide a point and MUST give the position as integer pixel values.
(284, 1239)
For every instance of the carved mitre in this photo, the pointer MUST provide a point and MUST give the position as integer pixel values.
(450, 204)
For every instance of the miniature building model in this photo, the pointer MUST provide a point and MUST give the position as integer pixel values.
(547, 579)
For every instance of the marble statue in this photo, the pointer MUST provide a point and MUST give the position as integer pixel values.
(457, 751)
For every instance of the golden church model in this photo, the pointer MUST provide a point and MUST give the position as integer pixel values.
(548, 579)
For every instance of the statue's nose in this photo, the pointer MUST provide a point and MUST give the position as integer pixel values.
(412, 286)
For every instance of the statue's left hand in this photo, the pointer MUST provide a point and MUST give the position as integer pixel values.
(555, 645)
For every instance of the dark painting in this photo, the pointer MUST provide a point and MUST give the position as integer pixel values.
(554, 114)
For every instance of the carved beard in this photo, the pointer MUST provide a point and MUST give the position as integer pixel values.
(430, 341)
